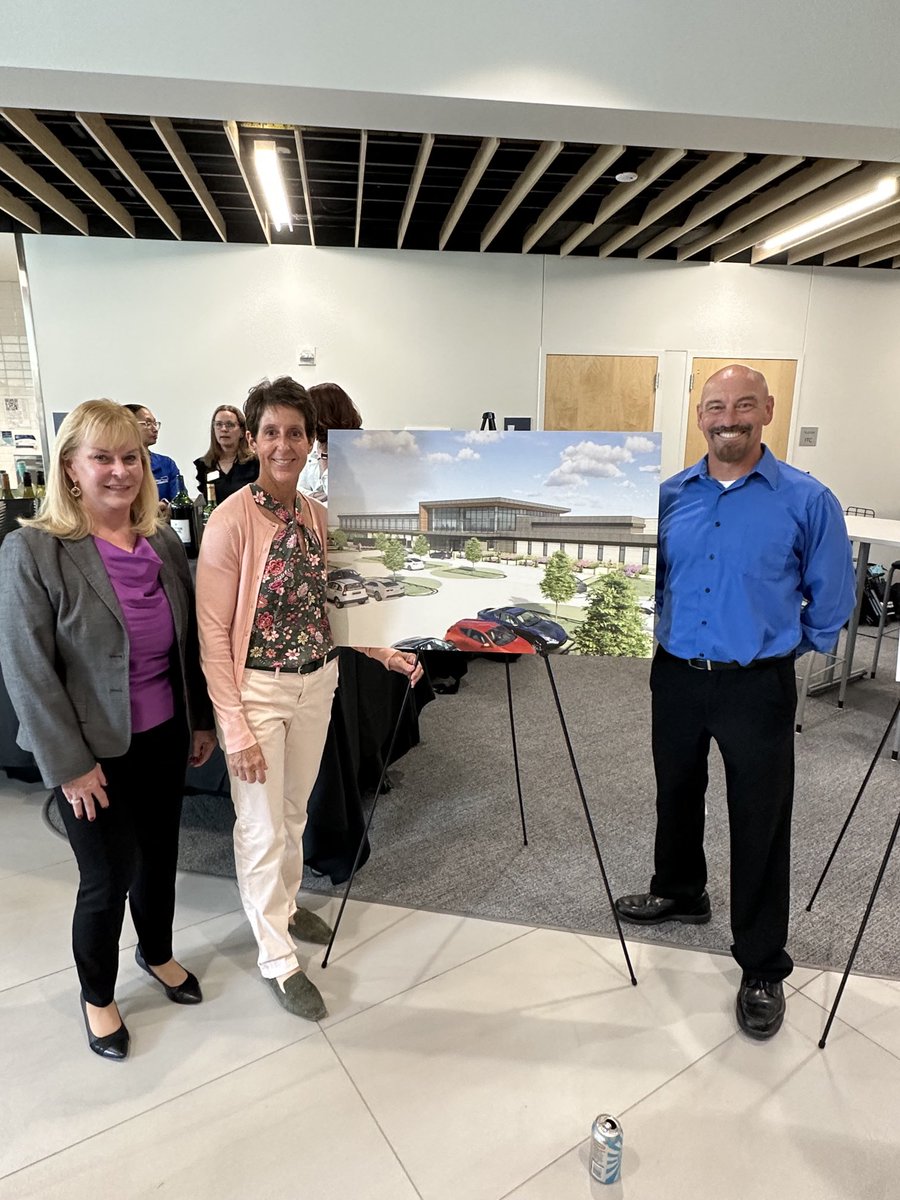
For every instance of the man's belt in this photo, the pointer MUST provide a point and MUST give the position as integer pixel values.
(711, 664)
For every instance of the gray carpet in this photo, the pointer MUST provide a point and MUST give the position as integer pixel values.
(448, 838)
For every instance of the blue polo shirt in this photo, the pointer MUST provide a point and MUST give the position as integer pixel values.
(736, 563)
(165, 472)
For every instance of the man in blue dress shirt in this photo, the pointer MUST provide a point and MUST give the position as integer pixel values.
(743, 540)
(165, 469)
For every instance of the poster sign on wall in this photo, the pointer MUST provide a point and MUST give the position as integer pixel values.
(494, 542)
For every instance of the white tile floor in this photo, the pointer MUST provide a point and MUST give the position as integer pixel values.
(461, 1059)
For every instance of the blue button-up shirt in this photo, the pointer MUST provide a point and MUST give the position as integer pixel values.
(736, 563)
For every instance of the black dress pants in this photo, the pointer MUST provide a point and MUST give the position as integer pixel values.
(130, 850)
(750, 713)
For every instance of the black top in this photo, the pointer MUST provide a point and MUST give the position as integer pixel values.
(239, 476)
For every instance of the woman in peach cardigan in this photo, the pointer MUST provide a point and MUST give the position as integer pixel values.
(271, 667)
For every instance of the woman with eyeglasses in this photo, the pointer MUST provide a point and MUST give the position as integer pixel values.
(229, 453)
(165, 470)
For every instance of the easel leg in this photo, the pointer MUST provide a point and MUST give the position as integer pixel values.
(587, 816)
(862, 928)
(365, 834)
(849, 818)
(515, 749)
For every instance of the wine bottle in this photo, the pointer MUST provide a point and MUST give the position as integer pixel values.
(40, 489)
(210, 502)
(27, 487)
(181, 518)
(6, 492)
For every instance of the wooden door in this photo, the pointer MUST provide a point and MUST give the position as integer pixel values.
(600, 391)
(780, 373)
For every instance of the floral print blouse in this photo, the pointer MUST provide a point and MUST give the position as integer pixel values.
(290, 627)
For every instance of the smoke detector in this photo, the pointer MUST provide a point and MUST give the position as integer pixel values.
(626, 177)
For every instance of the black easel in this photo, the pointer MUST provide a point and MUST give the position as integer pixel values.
(488, 421)
(878, 878)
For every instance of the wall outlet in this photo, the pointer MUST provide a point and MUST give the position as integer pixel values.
(809, 435)
(307, 357)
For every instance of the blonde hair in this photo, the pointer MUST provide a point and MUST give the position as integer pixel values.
(105, 423)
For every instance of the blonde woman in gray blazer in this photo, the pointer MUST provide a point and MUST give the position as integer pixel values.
(100, 658)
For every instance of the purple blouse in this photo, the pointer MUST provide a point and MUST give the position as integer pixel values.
(151, 630)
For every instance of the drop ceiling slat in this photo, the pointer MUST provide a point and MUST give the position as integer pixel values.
(600, 161)
(360, 179)
(110, 143)
(304, 181)
(888, 234)
(483, 156)
(811, 205)
(876, 256)
(694, 181)
(64, 160)
(537, 165)
(658, 162)
(799, 185)
(183, 161)
(730, 193)
(18, 209)
(234, 141)
(836, 239)
(28, 178)
(425, 148)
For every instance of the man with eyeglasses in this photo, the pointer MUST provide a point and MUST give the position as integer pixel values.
(165, 469)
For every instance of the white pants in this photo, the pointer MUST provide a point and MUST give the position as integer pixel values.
(289, 714)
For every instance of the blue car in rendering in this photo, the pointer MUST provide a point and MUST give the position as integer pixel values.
(533, 624)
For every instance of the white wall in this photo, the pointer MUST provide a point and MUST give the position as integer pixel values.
(436, 339)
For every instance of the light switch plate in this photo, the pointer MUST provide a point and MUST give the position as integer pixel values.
(308, 356)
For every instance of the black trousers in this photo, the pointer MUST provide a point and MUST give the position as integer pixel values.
(129, 851)
(750, 713)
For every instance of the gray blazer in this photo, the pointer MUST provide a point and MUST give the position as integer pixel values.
(64, 649)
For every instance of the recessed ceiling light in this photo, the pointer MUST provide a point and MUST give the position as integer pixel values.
(626, 177)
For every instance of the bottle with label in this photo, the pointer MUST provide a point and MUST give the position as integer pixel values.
(181, 518)
(210, 502)
(27, 487)
(40, 488)
(6, 492)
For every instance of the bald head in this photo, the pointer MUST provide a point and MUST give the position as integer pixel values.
(734, 407)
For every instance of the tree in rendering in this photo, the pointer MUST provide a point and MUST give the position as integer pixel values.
(473, 551)
(393, 555)
(558, 582)
(613, 624)
(421, 546)
(381, 541)
(338, 539)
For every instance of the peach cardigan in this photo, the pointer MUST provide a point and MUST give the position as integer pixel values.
(233, 556)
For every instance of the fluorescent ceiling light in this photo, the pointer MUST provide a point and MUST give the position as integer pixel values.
(268, 169)
(884, 193)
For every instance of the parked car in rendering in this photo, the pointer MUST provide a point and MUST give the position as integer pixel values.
(418, 644)
(413, 563)
(440, 553)
(345, 591)
(487, 637)
(535, 624)
(344, 573)
(384, 589)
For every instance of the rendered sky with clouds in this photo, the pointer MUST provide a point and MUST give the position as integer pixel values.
(611, 474)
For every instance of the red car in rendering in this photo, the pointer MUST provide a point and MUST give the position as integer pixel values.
(486, 637)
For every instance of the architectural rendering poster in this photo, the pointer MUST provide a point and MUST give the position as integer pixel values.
(509, 543)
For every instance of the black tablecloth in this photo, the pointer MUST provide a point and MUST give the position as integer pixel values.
(364, 715)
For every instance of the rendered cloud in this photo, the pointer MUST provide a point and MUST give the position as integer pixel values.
(650, 469)
(388, 441)
(466, 455)
(639, 445)
(483, 435)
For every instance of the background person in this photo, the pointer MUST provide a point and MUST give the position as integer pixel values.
(271, 666)
(334, 410)
(743, 540)
(110, 619)
(164, 469)
(228, 453)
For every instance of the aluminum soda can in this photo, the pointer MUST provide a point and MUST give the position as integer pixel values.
(606, 1149)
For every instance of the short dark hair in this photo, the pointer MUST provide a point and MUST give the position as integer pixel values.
(136, 408)
(334, 409)
(282, 392)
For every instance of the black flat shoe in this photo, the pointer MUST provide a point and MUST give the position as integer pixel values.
(760, 1007)
(647, 909)
(113, 1046)
(187, 992)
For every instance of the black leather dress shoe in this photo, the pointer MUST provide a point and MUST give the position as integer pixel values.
(187, 992)
(647, 909)
(760, 1007)
(113, 1046)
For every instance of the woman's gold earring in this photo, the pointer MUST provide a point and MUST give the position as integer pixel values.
(75, 491)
